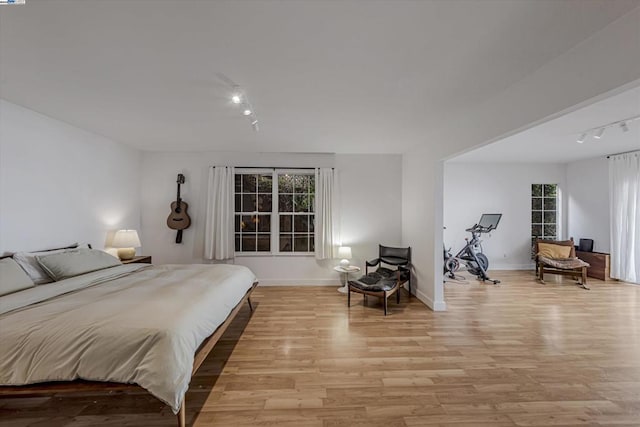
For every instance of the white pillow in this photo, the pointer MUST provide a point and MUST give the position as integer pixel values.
(12, 277)
(28, 262)
(60, 266)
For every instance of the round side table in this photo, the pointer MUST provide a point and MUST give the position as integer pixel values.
(344, 275)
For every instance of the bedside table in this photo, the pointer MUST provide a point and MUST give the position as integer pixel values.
(344, 276)
(138, 259)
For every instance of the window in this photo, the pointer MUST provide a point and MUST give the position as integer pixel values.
(544, 212)
(274, 211)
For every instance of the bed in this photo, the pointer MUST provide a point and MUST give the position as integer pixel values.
(126, 326)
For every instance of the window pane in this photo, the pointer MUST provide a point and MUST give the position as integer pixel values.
(285, 223)
(249, 183)
(536, 190)
(550, 190)
(249, 203)
(536, 217)
(549, 230)
(285, 184)
(300, 223)
(264, 242)
(312, 184)
(264, 184)
(301, 243)
(549, 204)
(302, 203)
(248, 242)
(238, 203)
(536, 230)
(237, 221)
(536, 204)
(301, 183)
(312, 243)
(264, 223)
(285, 203)
(247, 225)
(312, 223)
(264, 202)
(286, 243)
(238, 183)
(550, 217)
(237, 243)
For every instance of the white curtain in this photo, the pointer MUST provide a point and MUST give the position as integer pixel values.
(219, 227)
(624, 193)
(327, 227)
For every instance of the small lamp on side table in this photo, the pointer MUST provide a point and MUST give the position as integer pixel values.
(126, 241)
(344, 252)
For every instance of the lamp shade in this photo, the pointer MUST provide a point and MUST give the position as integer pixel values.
(126, 239)
(344, 252)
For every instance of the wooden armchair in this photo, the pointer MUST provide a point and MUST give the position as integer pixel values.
(566, 266)
(384, 282)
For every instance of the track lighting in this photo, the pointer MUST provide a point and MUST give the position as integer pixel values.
(598, 131)
(239, 99)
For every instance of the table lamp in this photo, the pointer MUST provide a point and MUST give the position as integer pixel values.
(344, 252)
(126, 241)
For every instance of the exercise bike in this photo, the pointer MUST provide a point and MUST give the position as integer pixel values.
(471, 255)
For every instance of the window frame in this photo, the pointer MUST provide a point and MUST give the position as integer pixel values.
(542, 211)
(275, 211)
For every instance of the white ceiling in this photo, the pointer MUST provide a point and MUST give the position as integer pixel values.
(556, 140)
(323, 76)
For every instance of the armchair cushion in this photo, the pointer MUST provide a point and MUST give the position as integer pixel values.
(550, 250)
(569, 243)
(563, 264)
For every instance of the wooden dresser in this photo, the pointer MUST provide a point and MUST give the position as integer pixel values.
(599, 264)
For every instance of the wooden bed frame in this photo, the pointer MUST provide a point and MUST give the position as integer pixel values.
(80, 386)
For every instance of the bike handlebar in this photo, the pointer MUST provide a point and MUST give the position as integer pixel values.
(479, 229)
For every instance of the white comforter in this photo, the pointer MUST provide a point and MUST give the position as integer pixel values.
(129, 324)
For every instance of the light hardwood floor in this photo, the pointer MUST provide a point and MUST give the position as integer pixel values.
(519, 353)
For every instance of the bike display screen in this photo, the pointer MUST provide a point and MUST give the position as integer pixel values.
(489, 221)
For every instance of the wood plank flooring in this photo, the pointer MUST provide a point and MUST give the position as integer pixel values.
(516, 354)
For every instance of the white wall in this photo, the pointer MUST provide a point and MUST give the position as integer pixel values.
(568, 82)
(60, 184)
(370, 205)
(588, 202)
(471, 189)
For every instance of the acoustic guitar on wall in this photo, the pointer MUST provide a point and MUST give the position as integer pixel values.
(178, 218)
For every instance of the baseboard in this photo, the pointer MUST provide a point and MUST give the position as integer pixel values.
(433, 305)
(299, 282)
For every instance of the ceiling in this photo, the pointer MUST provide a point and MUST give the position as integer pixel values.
(323, 76)
(556, 140)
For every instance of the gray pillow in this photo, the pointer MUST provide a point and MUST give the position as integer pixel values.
(12, 277)
(75, 262)
(28, 262)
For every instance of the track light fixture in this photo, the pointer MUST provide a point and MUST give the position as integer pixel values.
(598, 131)
(239, 97)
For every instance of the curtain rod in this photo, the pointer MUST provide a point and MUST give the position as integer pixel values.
(624, 152)
(272, 167)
